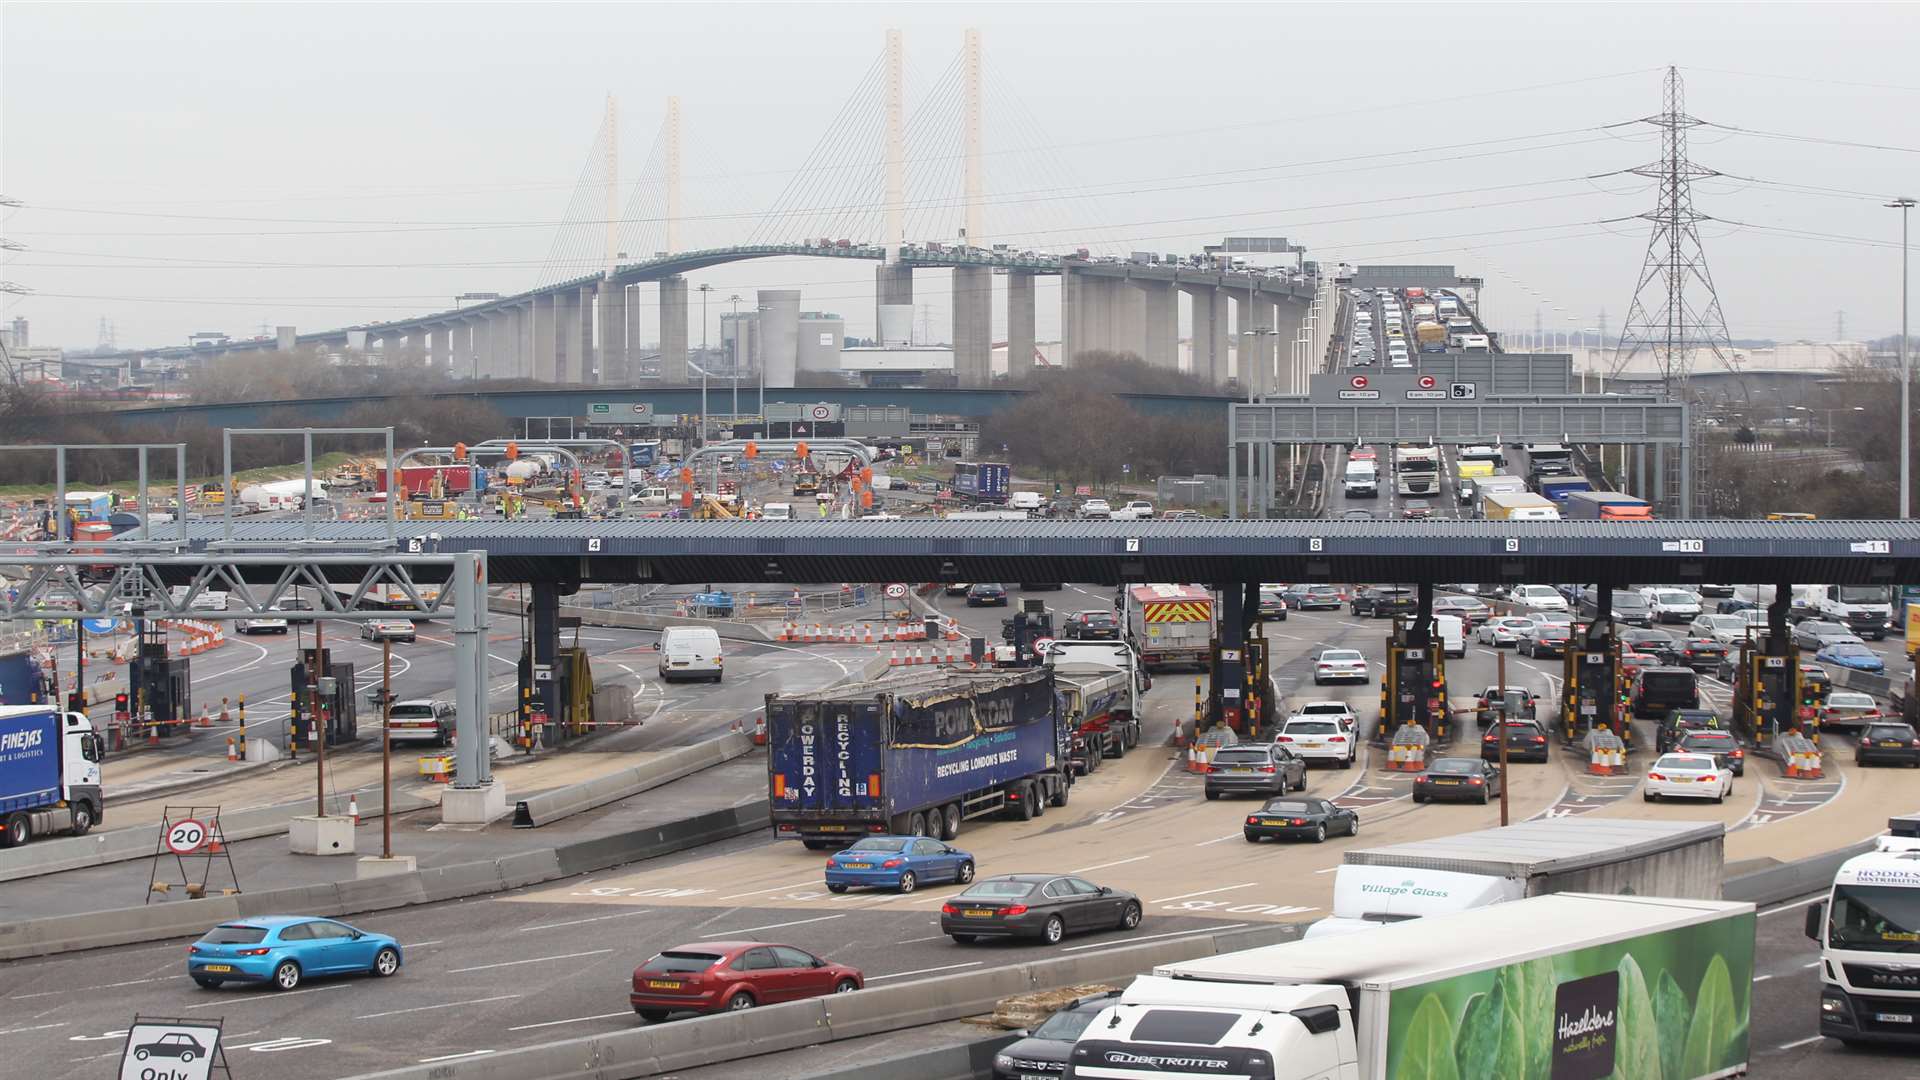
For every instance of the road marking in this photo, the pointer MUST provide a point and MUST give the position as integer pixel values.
(1761, 978)
(1104, 865)
(574, 1020)
(577, 922)
(534, 960)
(1177, 933)
(915, 941)
(421, 944)
(84, 989)
(1217, 839)
(769, 926)
(1810, 964)
(1800, 1042)
(776, 888)
(1328, 870)
(923, 971)
(235, 999)
(39, 1027)
(450, 1057)
(1205, 892)
(430, 1008)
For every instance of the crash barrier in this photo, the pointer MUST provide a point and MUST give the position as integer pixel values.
(1793, 880)
(53, 854)
(1799, 756)
(686, 1044)
(1409, 748)
(96, 929)
(961, 1061)
(1606, 754)
(551, 806)
(1880, 686)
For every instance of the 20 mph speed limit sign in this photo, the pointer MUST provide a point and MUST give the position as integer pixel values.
(896, 591)
(186, 836)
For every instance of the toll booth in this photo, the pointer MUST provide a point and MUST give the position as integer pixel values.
(1770, 698)
(1414, 688)
(1593, 692)
(161, 685)
(556, 698)
(1030, 624)
(1257, 711)
(319, 705)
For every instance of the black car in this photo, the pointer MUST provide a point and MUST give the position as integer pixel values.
(1255, 769)
(1544, 639)
(1678, 722)
(1092, 626)
(1700, 654)
(1314, 819)
(1888, 741)
(1815, 683)
(1724, 748)
(1627, 608)
(1312, 597)
(1045, 1050)
(1654, 642)
(1658, 690)
(956, 588)
(1526, 741)
(1044, 906)
(987, 595)
(1273, 606)
(1714, 590)
(1459, 778)
(1384, 602)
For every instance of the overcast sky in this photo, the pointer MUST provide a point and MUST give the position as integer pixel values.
(220, 167)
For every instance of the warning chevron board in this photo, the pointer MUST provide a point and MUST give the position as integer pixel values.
(1170, 611)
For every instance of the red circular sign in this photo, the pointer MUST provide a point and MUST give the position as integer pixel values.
(1359, 382)
(1426, 382)
(1041, 645)
(186, 836)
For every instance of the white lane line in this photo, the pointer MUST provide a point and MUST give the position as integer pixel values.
(1218, 839)
(577, 922)
(1761, 978)
(430, 1008)
(573, 1020)
(421, 944)
(37, 1027)
(769, 926)
(871, 979)
(1177, 933)
(1800, 1042)
(915, 941)
(1104, 865)
(451, 1057)
(776, 888)
(84, 989)
(1205, 892)
(1810, 964)
(533, 960)
(236, 999)
(1328, 870)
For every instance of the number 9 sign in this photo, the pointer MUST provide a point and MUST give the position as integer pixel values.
(186, 836)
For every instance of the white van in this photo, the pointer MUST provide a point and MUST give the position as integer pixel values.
(776, 512)
(1453, 634)
(1362, 481)
(1025, 500)
(688, 652)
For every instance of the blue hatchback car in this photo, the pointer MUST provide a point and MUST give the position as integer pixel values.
(897, 862)
(283, 950)
(1848, 654)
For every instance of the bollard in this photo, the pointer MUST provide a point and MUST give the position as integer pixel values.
(243, 725)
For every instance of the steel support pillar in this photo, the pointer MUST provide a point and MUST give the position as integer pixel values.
(1158, 304)
(1020, 332)
(973, 325)
(673, 331)
(613, 333)
(545, 342)
(472, 762)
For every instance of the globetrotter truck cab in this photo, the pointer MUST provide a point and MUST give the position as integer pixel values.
(1869, 934)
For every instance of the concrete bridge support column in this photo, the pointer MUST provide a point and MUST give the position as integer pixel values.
(441, 352)
(1159, 305)
(586, 362)
(1073, 311)
(1132, 318)
(1019, 324)
(1099, 314)
(1209, 334)
(523, 341)
(613, 333)
(464, 363)
(482, 347)
(893, 285)
(566, 337)
(545, 341)
(673, 331)
(632, 307)
(1288, 318)
(973, 325)
(1253, 317)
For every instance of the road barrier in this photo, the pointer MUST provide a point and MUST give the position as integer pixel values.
(1606, 754)
(684, 1044)
(1799, 756)
(1409, 748)
(551, 806)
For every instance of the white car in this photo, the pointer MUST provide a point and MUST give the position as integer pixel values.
(1672, 605)
(1336, 665)
(1324, 739)
(651, 496)
(1502, 632)
(1322, 710)
(1096, 508)
(387, 630)
(421, 720)
(1689, 776)
(1136, 510)
(1540, 598)
(260, 624)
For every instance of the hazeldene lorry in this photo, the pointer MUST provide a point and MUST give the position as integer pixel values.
(49, 773)
(1868, 930)
(915, 754)
(1391, 883)
(1568, 985)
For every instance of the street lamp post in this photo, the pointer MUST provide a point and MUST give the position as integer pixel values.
(705, 362)
(1905, 204)
(735, 301)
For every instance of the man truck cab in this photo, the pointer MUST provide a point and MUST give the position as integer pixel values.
(1866, 930)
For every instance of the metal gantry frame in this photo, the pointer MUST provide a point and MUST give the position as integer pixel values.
(256, 583)
(60, 451)
(306, 498)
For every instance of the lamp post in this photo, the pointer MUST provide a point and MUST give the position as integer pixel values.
(735, 301)
(704, 361)
(1255, 388)
(1905, 204)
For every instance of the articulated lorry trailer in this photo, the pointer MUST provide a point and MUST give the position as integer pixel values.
(49, 773)
(915, 754)
(1100, 684)
(1547, 988)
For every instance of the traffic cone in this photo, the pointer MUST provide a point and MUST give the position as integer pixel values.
(353, 808)
(153, 734)
(231, 754)
(205, 720)
(223, 712)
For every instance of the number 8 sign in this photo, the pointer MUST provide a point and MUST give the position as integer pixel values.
(186, 836)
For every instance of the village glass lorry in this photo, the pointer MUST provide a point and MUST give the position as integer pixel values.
(1547, 988)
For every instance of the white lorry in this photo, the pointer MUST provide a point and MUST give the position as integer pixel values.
(1099, 683)
(1868, 930)
(1866, 610)
(1569, 985)
(1392, 883)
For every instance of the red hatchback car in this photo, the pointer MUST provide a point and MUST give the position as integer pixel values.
(715, 976)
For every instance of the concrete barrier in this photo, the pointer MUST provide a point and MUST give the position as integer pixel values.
(96, 929)
(924, 1001)
(587, 856)
(665, 767)
(965, 1061)
(1789, 881)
